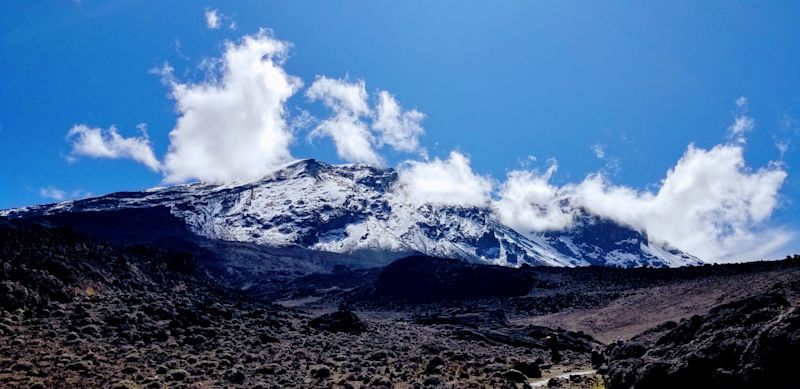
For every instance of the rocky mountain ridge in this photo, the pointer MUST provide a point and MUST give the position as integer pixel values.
(352, 210)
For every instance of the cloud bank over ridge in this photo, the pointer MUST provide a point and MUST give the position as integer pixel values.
(235, 126)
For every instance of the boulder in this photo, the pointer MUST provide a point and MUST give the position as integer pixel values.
(343, 320)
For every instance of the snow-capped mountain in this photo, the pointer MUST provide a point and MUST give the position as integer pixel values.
(351, 210)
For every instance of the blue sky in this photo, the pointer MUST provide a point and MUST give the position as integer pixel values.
(497, 82)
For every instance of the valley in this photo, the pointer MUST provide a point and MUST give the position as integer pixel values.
(77, 313)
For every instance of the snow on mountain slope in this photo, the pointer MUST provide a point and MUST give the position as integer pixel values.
(350, 209)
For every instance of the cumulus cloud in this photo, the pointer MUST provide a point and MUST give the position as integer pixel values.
(355, 140)
(99, 143)
(710, 204)
(348, 102)
(528, 203)
(443, 182)
(396, 127)
(233, 127)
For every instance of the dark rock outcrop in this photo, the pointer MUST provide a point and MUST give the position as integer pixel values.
(750, 343)
(420, 279)
(343, 320)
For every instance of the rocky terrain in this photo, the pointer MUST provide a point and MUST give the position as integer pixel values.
(81, 314)
(75, 312)
(750, 343)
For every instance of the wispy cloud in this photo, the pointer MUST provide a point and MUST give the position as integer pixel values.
(56, 194)
(782, 146)
(179, 50)
(216, 19)
(742, 123)
(613, 165)
(599, 150)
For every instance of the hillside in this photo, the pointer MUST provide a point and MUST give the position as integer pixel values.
(350, 211)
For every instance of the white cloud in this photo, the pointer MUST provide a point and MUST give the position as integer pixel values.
(356, 141)
(529, 203)
(57, 194)
(742, 123)
(100, 143)
(783, 146)
(348, 101)
(213, 19)
(396, 127)
(710, 204)
(443, 182)
(53, 193)
(179, 50)
(527, 161)
(599, 150)
(742, 102)
(302, 120)
(232, 127)
(613, 165)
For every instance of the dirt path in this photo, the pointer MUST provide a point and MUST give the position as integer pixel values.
(644, 308)
(542, 382)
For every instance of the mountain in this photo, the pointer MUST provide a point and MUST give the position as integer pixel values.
(349, 211)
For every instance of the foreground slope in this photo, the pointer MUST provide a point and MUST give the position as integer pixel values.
(749, 343)
(76, 314)
(353, 210)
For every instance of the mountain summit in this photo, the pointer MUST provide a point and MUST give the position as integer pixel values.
(352, 211)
